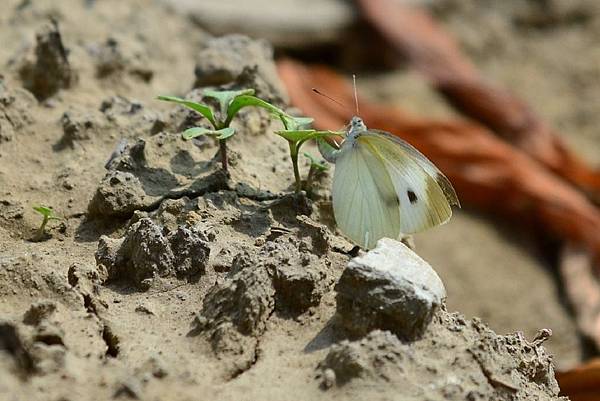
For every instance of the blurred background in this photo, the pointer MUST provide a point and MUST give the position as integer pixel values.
(503, 96)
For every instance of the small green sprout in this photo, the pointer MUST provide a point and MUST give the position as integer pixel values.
(48, 215)
(221, 129)
(296, 137)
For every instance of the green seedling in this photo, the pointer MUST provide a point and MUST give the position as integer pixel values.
(296, 137)
(48, 214)
(230, 103)
(316, 167)
(220, 126)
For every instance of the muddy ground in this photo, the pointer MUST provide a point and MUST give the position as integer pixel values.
(166, 278)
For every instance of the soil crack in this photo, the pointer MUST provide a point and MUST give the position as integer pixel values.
(111, 340)
(256, 350)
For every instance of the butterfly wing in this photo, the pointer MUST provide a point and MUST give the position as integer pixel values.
(424, 162)
(365, 203)
(425, 195)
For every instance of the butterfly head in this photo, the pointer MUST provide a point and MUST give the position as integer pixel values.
(357, 126)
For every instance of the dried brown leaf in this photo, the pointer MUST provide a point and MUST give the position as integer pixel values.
(433, 52)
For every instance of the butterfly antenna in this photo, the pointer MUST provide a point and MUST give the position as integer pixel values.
(355, 94)
(318, 92)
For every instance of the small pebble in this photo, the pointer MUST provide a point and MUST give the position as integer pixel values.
(328, 378)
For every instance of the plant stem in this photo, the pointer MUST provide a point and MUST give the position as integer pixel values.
(223, 152)
(294, 156)
(40, 233)
(309, 179)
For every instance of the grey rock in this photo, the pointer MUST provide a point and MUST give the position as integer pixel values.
(246, 299)
(235, 314)
(237, 58)
(154, 169)
(119, 149)
(298, 287)
(149, 251)
(119, 194)
(190, 250)
(49, 70)
(456, 359)
(389, 288)
(285, 23)
(529, 362)
(144, 253)
(77, 126)
(300, 277)
(376, 356)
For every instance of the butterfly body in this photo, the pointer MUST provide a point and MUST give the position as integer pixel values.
(383, 187)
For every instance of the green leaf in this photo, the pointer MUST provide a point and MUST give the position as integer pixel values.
(295, 136)
(46, 212)
(303, 122)
(225, 133)
(198, 107)
(316, 163)
(289, 122)
(248, 100)
(225, 98)
(195, 132)
(296, 123)
(220, 134)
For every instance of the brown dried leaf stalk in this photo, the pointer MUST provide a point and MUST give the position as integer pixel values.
(581, 383)
(582, 287)
(433, 52)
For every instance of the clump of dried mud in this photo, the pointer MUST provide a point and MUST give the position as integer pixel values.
(168, 278)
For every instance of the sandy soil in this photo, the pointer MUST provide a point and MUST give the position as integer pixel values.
(166, 278)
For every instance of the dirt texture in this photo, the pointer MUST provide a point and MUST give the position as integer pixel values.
(513, 367)
(166, 277)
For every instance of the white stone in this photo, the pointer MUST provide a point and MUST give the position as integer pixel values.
(389, 288)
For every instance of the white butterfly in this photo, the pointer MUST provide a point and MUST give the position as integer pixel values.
(384, 187)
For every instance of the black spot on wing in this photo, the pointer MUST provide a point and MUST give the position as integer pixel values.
(412, 197)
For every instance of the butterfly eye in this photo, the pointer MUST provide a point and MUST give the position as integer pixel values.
(356, 121)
